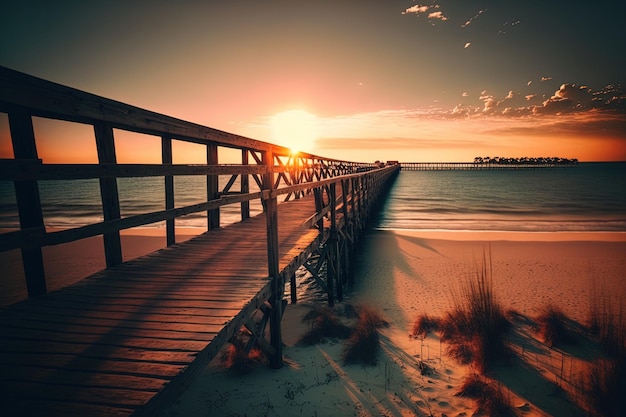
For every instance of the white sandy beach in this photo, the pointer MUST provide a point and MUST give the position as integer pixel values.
(407, 273)
(403, 274)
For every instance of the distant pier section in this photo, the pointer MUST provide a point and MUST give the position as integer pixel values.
(482, 166)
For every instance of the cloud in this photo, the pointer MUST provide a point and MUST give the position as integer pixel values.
(569, 102)
(467, 45)
(594, 124)
(471, 19)
(437, 15)
(568, 98)
(546, 78)
(490, 104)
(508, 24)
(432, 14)
(529, 83)
(417, 9)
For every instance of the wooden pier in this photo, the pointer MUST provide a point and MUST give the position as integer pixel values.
(476, 166)
(127, 340)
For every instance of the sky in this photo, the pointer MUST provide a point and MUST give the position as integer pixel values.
(352, 80)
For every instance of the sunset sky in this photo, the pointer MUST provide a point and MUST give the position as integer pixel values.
(361, 80)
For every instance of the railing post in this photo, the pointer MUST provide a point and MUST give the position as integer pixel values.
(271, 216)
(212, 187)
(105, 144)
(28, 201)
(245, 187)
(166, 152)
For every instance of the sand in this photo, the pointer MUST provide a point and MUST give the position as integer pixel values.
(405, 274)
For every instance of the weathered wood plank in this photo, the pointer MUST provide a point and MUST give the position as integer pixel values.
(27, 407)
(97, 326)
(16, 338)
(101, 379)
(122, 361)
(106, 396)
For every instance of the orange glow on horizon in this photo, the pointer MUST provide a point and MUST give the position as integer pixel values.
(385, 135)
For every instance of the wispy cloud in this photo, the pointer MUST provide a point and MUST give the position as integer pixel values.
(506, 25)
(433, 12)
(437, 15)
(471, 19)
(417, 9)
(569, 98)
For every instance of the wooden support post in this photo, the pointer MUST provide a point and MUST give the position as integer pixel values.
(245, 187)
(271, 216)
(319, 206)
(348, 227)
(166, 152)
(105, 144)
(331, 267)
(212, 187)
(28, 201)
(292, 286)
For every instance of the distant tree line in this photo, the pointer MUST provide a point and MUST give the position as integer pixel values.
(525, 160)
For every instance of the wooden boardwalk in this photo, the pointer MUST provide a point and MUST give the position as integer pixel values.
(127, 340)
(130, 338)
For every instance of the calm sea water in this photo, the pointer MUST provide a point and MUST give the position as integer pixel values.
(77, 202)
(589, 197)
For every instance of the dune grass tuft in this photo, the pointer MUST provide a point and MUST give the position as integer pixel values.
(424, 325)
(476, 325)
(236, 359)
(553, 327)
(605, 385)
(324, 324)
(490, 397)
(605, 379)
(364, 342)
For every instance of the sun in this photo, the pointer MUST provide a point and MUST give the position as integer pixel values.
(294, 129)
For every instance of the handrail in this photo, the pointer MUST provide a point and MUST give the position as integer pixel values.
(273, 168)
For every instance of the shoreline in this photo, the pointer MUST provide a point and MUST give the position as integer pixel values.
(518, 236)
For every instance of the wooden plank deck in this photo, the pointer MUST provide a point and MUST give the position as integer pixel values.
(129, 339)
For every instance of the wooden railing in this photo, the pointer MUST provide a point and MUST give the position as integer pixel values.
(274, 169)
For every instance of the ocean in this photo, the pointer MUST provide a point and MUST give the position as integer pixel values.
(587, 197)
